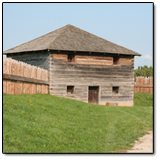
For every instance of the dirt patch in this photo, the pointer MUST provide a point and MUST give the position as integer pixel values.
(143, 145)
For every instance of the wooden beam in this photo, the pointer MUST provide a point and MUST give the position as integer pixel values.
(24, 79)
(143, 86)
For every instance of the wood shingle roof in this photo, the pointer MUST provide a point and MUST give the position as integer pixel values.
(71, 38)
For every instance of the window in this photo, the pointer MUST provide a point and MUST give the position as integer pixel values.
(70, 89)
(71, 58)
(115, 90)
(115, 60)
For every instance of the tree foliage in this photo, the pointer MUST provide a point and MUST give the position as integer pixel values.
(144, 71)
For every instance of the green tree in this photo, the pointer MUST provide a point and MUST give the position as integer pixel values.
(143, 71)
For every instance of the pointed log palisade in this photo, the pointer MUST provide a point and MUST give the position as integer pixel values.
(82, 66)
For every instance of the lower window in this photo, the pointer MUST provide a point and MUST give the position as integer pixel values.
(70, 89)
(115, 90)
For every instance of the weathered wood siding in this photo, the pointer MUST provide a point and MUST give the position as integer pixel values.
(90, 70)
(39, 59)
(94, 60)
(19, 77)
(144, 84)
(86, 70)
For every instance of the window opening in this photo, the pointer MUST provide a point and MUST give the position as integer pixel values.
(115, 60)
(115, 90)
(70, 89)
(71, 57)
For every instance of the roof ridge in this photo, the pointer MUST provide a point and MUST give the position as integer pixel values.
(64, 28)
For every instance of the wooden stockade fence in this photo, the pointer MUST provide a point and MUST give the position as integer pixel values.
(19, 77)
(143, 84)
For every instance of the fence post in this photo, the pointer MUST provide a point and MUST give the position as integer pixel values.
(20, 77)
(143, 84)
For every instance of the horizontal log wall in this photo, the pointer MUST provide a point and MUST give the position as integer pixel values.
(144, 84)
(80, 59)
(88, 70)
(19, 77)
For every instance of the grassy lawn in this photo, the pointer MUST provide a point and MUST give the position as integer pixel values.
(43, 123)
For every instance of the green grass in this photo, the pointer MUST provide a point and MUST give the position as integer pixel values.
(143, 99)
(43, 123)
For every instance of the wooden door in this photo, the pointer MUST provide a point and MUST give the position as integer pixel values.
(93, 94)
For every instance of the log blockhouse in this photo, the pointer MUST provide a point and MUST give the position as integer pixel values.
(82, 66)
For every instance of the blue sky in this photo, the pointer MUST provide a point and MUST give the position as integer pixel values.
(127, 24)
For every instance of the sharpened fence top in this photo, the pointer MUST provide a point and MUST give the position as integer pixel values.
(22, 78)
(144, 84)
(14, 67)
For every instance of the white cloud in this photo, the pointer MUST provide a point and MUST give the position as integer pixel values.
(147, 56)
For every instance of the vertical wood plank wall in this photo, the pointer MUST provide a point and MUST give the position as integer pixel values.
(21, 69)
(143, 84)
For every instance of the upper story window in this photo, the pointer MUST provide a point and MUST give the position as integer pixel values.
(71, 58)
(115, 60)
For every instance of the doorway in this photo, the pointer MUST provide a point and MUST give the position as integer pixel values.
(93, 92)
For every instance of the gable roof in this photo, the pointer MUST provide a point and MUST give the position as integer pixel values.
(71, 38)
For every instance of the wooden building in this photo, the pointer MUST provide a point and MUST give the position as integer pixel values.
(82, 66)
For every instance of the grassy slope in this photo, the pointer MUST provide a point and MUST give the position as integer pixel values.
(48, 124)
